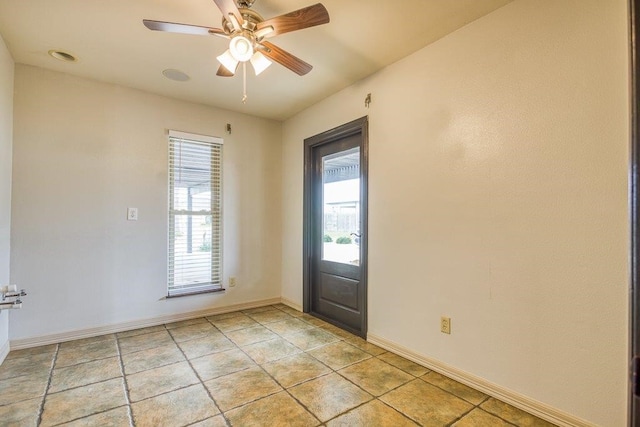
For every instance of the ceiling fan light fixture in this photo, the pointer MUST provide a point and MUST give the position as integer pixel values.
(241, 48)
(260, 63)
(228, 61)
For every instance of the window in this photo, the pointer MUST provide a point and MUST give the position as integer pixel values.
(195, 214)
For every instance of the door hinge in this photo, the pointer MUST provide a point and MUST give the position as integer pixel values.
(635, 372)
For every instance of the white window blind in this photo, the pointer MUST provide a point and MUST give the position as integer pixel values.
(195, 213)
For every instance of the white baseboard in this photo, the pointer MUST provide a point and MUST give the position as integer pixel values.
(291, 304)
(4, 351)
(137, 324)
(518, 400)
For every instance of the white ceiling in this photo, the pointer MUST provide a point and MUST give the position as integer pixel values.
(113, 46)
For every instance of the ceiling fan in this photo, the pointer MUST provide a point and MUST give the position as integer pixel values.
(248, 31)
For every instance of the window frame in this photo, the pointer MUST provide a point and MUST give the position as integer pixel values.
(216, 198)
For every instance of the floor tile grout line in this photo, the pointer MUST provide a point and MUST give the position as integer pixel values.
(491, 413)
(283, 388)
(375, 398)
(82, 385)
(452, 393)
(331, 371)
(127, 398)
(200, 379)
(87, 416)
(473, 408)
(46, 389)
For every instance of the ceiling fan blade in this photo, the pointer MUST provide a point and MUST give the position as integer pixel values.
(284, 58)
(172, 27)
(223, 72)
(296, 20)
(228, 7)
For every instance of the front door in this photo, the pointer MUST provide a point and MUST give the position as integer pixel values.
(335, 226)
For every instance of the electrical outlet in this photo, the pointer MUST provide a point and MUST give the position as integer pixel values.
(232, 282)
(132, 214)
(445, 325)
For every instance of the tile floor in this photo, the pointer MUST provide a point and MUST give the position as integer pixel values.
(269, 366)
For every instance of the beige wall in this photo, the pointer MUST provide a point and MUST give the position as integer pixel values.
(498, 197)
(6, 141)
(84, 151)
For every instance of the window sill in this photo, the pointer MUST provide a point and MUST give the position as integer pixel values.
(187, 293)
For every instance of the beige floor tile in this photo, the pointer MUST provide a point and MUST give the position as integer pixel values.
(329, 396)
(480, 418)
(259, 309)
(290, 311)
(160, 380)
(375, 376)
(80, 402)
(191, 332)
(313, 321)
(231, 391)
(145, 342)
(223, 363)
(268, 351)
(404, 364)
(151, 358)
(234, 323)
(339, 354)
(73, 355)
(16, 389)
(187, 322)
(22, 414)
(363, 345)
(309, 339)
(84, 373)
(279, 410)
(37, 364)
(295, 369)
(250, 335)
(217, 421)
(178, 408)
(89, 340)
(512, 414)
(279, 348)
(337, 331)
(426, 404)
(33, 351)
(212, 343)
(222, 316)
(270, 316)
(288, 327)
(455, 388)
(118, 417)
(142, 331)
(374, 413)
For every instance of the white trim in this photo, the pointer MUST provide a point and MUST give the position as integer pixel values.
(195, 137)
(137, 324)
(291, 304)
(513, 398)
(4, 351)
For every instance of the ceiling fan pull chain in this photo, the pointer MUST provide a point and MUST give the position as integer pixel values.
(244, 82)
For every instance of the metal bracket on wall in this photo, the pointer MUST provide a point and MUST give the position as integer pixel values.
(10, 297)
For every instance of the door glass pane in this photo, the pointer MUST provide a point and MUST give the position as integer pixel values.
(341, 206)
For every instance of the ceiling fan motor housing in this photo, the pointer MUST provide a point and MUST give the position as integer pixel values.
(250, 20)
(245, 3)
